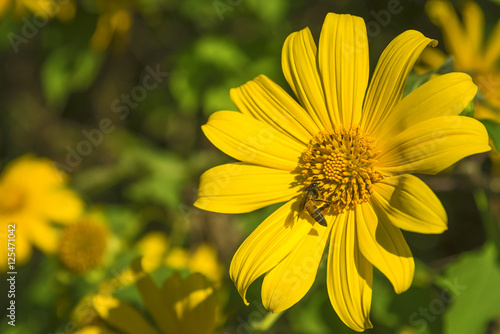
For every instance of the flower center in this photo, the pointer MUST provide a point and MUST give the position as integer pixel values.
(13, 199)
(341, 163)
(82, 246)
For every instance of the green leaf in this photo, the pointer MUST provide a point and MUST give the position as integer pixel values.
(469, 110)
(471, 292)
(493, 129)
(66, 71)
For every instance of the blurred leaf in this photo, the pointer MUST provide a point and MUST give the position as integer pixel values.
(67, 70)
(123, 221)
(220, 52)
(471, 284)
(493, 129)
(163, 175)
(469, 110)
(414, 81)
(218, 98)
(310, 318)
(270, 11)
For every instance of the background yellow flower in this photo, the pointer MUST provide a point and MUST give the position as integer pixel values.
(35, 198)
(472, 50)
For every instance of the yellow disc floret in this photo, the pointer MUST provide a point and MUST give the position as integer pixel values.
(82, 246)
(341, 162)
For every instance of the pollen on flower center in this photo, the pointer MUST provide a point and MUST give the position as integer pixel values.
(342, 163)
(82, 246)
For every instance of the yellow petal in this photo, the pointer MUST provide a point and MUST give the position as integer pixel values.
(290, 280)
(456, 40)
(194, 302)
(301, 72)
(349, 275)
(408, 203)
(60, 205)
(249, 140)
(344, 66)
(42, 235)
(384, 246)
(473, 18)
(95, 330)
(120, 315)
(433, 145)
(492, 48)
(37, 173)
(446, 95)
(205, 261)
(266, 101)
(152, 299)
(239, 187)
(389, 79)
(269, 244)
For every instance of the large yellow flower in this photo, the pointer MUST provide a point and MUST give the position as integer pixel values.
(472, 53)
(33, 195)
(357, 143)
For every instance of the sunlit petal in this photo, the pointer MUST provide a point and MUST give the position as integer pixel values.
(384, 246)
(407, 202)
(349, 274)
(344, 66)
(252, 141)
(239, 187)
(389, 79)
(269, 244)
(290, 280)
(266, 101)
(300, 68)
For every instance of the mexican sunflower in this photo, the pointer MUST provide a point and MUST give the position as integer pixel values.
(472, 53)
(34, 196)
(357, 143)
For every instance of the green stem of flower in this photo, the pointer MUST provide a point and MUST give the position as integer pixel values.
(491, 228)
(267, 322)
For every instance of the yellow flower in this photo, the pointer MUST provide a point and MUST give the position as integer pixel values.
(203, 260)
(33, 195)
(464, 40)
(47, 9)
(114, 23)
(154, 247)
(83, 244)
(180, 306)
(356, 143)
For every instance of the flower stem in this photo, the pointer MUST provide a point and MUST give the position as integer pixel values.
(489, 223)
(267, 322)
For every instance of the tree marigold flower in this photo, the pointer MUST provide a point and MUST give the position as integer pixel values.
(83, 244)
(348, 148)
(472, 51)
(34, 195)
